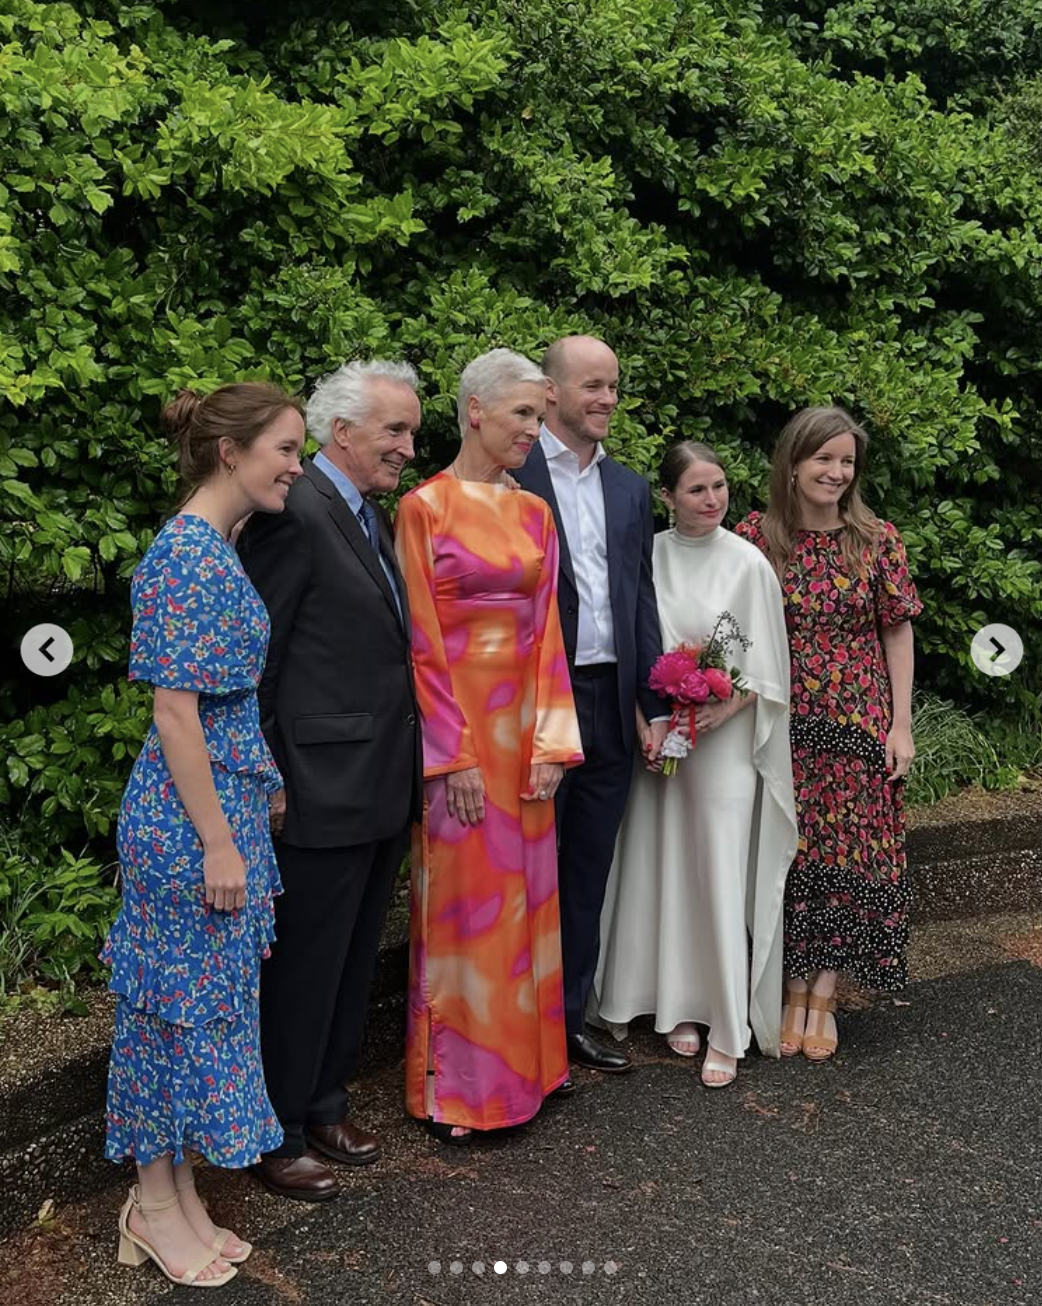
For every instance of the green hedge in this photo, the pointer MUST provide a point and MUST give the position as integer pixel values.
(756, 212)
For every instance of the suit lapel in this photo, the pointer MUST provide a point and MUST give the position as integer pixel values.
(537, 477)
(616, 515)
(351, 529)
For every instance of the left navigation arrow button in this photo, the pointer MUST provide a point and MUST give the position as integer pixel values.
(47, 649)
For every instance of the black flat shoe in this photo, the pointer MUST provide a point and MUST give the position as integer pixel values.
(584, 1051)
(564, 1090)
(442, 1131)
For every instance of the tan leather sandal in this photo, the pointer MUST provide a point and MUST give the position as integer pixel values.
(135, 1250)
(819, 1047)
(220, 1236)
(790, 1033)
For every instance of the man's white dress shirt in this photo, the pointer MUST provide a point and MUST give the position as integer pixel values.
(580, 499)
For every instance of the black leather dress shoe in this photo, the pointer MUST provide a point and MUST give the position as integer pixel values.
(300, 1178)
(344, 1142)
(585, 1052)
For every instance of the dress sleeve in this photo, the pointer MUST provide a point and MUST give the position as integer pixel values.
(187, 631)
(447, 742)
(896, 596)
(556, 737)
(749, 529)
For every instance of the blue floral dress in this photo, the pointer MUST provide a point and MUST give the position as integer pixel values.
(185, 1071)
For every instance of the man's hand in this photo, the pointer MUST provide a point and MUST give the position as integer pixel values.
(277, 812)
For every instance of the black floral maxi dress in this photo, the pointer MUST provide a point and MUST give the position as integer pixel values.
(847, 894)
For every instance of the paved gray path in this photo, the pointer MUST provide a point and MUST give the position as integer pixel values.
(906, 1171)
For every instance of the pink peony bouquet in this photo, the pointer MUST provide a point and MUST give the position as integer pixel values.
(691, 674)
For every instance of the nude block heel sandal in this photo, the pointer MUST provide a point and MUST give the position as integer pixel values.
(135, 1250)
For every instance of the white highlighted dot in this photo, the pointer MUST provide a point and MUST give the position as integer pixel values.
(500, 1267)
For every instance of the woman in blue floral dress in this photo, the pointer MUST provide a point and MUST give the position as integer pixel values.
(849, 604)
(195, 850)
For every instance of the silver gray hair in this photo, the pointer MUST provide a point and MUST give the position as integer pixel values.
(344, 393)
(488, 375)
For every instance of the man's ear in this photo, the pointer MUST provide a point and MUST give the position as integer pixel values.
(341, 431)
(551, 390)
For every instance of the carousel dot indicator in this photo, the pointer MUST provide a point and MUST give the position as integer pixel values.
(456, 1267)
(434, 1267)
(500, 1267)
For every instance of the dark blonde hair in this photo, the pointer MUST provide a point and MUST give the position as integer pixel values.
(801, 438)
(239, 412)
(679, 458)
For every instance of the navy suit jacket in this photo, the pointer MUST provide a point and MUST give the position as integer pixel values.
(630, 532)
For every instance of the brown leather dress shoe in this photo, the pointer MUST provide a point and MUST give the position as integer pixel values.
(344, 1142)
(300, 1178)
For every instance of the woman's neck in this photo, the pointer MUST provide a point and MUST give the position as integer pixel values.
(467, 466)
(815, 518)
(215, 505)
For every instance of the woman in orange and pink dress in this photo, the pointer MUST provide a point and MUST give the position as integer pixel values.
(486, 1034)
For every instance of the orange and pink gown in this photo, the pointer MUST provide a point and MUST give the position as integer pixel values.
(486, 1033)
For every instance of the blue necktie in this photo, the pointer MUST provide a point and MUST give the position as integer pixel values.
(367, 516)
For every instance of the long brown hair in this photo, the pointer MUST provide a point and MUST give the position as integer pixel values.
(239, 412)
(801, 438)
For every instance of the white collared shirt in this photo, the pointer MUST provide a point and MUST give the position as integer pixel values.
(580, 499)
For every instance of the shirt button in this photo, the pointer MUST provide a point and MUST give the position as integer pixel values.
(410, 720)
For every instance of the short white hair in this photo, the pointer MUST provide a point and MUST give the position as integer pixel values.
(488, 375)
(344, 393)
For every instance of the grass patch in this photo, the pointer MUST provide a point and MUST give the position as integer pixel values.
(956, 749)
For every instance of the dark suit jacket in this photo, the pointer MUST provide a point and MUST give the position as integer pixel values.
(630, 532)
(337, 701)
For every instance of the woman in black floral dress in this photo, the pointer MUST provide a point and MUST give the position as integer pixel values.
(849, 601)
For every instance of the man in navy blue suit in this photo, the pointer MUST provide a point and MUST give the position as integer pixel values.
(611, 634)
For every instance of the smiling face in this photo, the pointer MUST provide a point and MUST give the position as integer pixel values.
(374, 450)
(508, 427)
(585, 393)
(825, 476)
(265, 469)
(699, 499)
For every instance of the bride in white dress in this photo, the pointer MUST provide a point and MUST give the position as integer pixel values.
(692, 923)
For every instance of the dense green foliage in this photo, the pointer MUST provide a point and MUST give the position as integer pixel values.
(758, 205)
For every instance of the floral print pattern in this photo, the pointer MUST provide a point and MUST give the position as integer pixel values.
(185, 1070)
(847, 895)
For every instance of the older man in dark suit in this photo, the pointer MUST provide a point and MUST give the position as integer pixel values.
(339, 711)
(611, 634)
